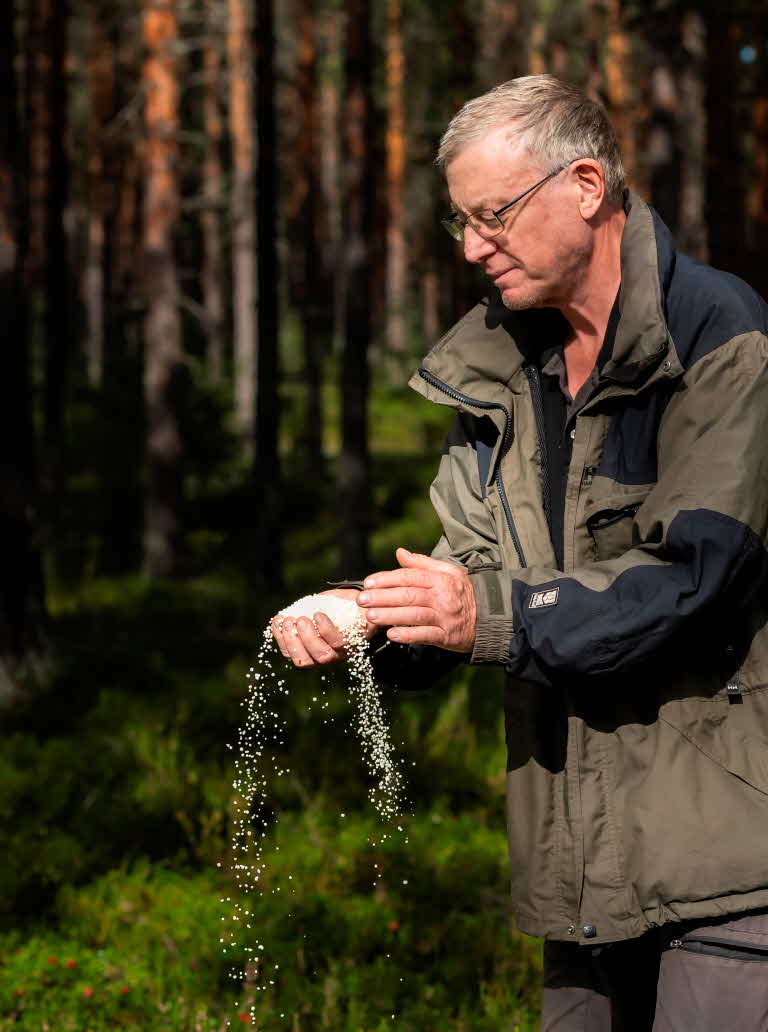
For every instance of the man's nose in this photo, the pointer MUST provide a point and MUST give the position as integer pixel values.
(476, 247)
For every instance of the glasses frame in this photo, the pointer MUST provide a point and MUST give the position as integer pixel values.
(456, 225)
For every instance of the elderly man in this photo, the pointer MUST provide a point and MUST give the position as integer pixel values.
(604, 503)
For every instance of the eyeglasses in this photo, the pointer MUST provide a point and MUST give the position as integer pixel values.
(486, 223)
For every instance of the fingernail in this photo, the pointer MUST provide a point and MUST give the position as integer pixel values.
(372, 615)
(393, 634)
(362, 598)
(369, 582)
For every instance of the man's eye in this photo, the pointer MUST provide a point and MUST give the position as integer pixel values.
(485, 218)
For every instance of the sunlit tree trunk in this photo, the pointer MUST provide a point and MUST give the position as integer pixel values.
(537, 64)
(310, 282)
(101, 106)
(593, 38)
(499, 53)
(22, 607)
(162, 329)
(397, 266)
(354, 461)
(267, 466)
(244, 328)
(692, 227)
(618, 84)
(330, 221)
(212, 273)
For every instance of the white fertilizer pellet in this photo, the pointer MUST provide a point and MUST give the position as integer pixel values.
(256, 764)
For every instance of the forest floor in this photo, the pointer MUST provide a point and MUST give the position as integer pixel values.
(116, 796)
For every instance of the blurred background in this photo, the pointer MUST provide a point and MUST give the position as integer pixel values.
(220, 258)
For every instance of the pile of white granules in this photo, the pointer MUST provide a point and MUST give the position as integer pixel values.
(256, 763)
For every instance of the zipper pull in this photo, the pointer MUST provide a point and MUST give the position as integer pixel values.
(733, 690)
(676, 944)
(589, 473)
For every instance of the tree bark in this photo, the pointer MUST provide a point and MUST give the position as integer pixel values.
(618, 84)
(244, 329)
(354, 461)
(22, 597)
(499, 51)
(397, 264)
(725, 207)
(212, 273)
(101, 64)
(312, 288)
(162, 328)
(267, 466)
(48, 266)
(330, 220)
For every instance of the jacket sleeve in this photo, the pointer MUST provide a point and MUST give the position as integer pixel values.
(699, 538)
(468, 539)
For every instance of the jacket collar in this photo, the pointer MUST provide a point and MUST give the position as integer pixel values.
(480, 356)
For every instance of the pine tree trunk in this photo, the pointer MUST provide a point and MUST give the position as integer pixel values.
(618, 84)
(692, 237)
(22, 605)
(244, 328)
(162, 328)
(329, 218)
(101, 107)
(725, 205)
(499, 53)
(354, 461)
(267, 466)
(397, 265)
(312, 288)
(48, 192)
(212, 273)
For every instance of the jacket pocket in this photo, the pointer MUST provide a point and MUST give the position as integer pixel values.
(612, 529)
(728, 949)
(733, 737)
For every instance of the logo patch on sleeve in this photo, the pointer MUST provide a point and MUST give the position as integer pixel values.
(539, 599)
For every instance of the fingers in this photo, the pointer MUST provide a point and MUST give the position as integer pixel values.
(415, 560)
(417, 635)
(305, 644)
(401, 616)
(380, 597)
(279, 634)
(329, 631)
(402, 578)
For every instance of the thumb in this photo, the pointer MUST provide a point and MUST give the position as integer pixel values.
(415, 559)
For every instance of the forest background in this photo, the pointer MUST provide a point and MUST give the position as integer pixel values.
(220, 257)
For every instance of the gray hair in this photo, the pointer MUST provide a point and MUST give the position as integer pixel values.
(551, 119)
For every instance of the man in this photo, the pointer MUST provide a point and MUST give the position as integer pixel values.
(604, 503)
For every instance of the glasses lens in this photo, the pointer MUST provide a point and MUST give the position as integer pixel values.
(453, 227)
(485, 223)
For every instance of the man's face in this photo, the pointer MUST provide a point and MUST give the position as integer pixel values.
(540, 256)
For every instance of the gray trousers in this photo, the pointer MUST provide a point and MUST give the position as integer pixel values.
(681, 978)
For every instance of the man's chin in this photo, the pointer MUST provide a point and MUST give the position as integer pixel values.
(518, 300)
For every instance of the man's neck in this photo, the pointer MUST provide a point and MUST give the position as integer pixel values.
(589, 310)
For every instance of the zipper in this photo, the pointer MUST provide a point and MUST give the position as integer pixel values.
(532, 374)
(457, 396)
(717, 947)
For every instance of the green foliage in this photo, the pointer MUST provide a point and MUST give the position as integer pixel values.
(115, 796)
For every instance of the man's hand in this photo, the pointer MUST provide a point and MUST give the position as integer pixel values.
(427, 602)
(306, 645)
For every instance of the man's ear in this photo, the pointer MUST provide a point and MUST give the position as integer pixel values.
(590, 180)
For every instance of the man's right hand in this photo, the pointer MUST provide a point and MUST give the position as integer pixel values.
(306, 645)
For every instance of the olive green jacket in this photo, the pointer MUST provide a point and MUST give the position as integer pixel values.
(636, 701)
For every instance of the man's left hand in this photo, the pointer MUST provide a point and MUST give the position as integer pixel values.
(425, 602)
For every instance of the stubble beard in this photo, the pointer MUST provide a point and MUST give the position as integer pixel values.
(519, 304)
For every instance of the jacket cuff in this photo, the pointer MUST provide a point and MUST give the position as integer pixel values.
(495, 625)
(492, 640)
